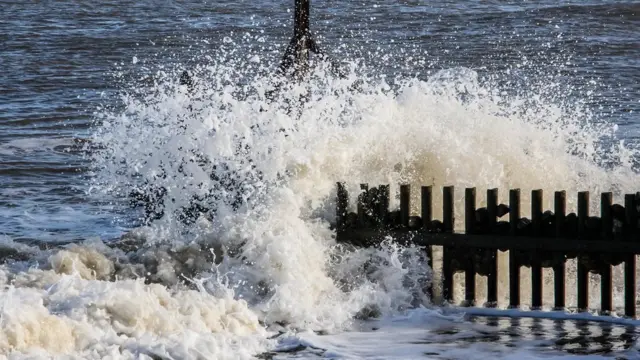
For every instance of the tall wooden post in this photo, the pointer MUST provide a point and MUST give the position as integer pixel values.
(559, 268)
(536, 266)
(296, 56)
(301, 36)
(448, 219)
(427, 216)
(469, 273)
(301, 19)
(492, 277)
(631, 232)
(606, 280)
(514, 263)
(582, 271)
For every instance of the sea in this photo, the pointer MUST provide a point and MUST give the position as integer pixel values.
(147, 217)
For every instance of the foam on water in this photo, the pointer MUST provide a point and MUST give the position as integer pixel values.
(264, 259)
(74, 304)
(15, 146)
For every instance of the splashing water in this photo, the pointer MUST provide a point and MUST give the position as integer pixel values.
(262, 169)
(244, 172)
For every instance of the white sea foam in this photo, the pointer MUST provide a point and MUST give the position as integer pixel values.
(267, 259)
(47, 313)
(16, 146)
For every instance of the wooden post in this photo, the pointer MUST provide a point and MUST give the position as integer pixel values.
(559, 269)
(469, 272)
(342, 205)
(427, 209)
(301, 35)
(469, 209)
(362, 204)
(383, 204)
(492, 277)
(606, 287)
(405, 205)
(447, 224)
(631, 232)
(301, 27)
(582, 273)
(427, 217)
(296, 55)
(536, 266)
(448, 216)
(514, 264)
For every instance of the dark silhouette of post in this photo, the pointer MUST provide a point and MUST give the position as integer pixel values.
(296, 57)
(302, 35)
(301, 25)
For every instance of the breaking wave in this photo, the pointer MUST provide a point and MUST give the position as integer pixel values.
(234, 175)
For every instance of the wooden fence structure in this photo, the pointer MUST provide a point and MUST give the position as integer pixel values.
(546, 240)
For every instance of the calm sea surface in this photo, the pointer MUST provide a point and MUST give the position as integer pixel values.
(57, 60)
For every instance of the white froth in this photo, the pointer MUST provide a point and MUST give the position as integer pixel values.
(86, 262)
(126, 319)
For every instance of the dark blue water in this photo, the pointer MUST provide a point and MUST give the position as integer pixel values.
(58, 60)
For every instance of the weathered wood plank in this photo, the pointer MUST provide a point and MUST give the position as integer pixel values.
(559, 290)
(427, 205)
(405, 204)
(492, 277)
(630, 285)
(501, 242)
(447, 224)
(606, 282)
(427, 215)
(631, 232)
(514, 264)
(582, 273)
(448, 214)
(470, 220)
(536, 266)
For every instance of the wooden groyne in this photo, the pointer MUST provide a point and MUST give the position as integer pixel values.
(546, 240)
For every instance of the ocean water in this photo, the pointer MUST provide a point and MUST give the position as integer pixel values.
(466, 93)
